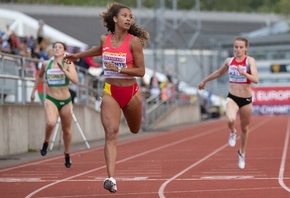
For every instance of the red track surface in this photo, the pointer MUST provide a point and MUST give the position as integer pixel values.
(189, 162)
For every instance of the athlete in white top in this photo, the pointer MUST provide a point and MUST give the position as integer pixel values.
(242, 72)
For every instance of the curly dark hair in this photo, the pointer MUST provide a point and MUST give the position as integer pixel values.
(108, 22)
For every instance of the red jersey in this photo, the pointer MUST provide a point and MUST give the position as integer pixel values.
(234, 75)
(120, 56)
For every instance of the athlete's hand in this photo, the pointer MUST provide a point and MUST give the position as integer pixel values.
(201, 85)
(32, 97)
(60, 66)
(111, 66)
(69, 58)
(241, 70)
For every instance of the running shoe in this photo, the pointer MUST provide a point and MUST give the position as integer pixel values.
(242, 162)
(232, 139)
(110, 184)
(67, 161)
(43, 150)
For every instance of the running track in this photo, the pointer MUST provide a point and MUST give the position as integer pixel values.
(195, 161)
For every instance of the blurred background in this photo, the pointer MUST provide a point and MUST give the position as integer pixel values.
(188, 41)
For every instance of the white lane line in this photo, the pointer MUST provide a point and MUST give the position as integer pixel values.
(284, 157)
(142, 179)
(226, 177)
(128, 158)
(225, 190)
(152, 194)
(46, 160)
(163, 186)
(29, 179)
(96, 149)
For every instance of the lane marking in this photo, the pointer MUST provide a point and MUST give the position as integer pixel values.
(142, 179)
(227, 177)
(125, 179)
(45, 160)
(127, 159)
(9, 179)
(137, 139)
(163, 186)
(284, 157)
(153, 194)
(58, 181)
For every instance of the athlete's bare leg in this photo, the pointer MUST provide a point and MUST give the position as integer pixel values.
(245, 117)
(110, 116)
(231, 113)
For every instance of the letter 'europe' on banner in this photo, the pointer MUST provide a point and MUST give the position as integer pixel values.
(271, 100)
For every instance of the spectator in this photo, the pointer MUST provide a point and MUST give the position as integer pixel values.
(1, 42)
(13, 42)
(6, 47)
(40, 31)
(155, 87)
(91, 62)
(31, 45)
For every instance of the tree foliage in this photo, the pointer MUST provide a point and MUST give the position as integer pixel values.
(259, 6)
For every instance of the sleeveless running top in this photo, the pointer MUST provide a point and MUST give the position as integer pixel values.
(121, 57)
(234, 74)
(55, 77)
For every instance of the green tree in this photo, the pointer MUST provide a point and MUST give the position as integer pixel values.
(266, 6)
(283, 7)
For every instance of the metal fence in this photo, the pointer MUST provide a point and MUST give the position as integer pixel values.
(17, 76)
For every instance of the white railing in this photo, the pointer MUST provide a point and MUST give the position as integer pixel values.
(17, 76)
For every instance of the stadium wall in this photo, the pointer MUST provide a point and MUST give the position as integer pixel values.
(22, 126)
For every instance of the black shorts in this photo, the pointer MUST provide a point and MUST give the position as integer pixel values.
(240, 101)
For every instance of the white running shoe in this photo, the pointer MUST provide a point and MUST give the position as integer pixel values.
(242, 162)
(232, 139)
(110, 184)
